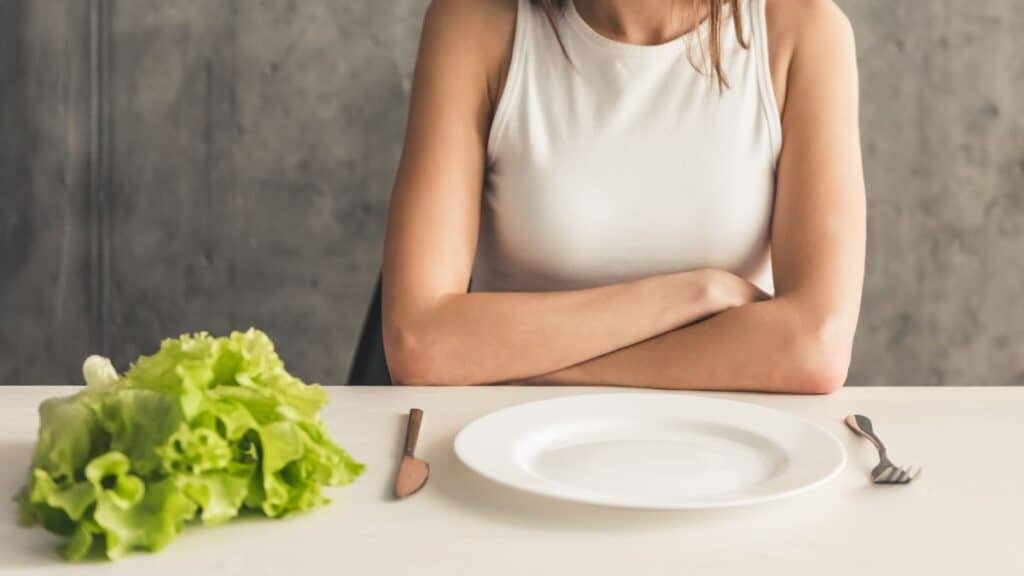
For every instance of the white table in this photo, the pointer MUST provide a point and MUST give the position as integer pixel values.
(963, 516)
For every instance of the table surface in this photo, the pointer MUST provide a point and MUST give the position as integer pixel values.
(961, 516)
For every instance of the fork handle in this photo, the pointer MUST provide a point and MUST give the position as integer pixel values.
(862, 425)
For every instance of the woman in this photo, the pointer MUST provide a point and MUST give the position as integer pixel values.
(653, 193)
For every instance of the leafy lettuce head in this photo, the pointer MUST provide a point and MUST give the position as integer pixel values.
(202, 429)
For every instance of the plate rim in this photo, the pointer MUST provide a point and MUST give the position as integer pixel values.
(590, 499)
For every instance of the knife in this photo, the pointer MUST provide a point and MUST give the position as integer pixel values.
(412, 472)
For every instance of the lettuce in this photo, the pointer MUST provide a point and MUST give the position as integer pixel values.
(203, 429)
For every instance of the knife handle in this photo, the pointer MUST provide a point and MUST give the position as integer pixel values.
(412, 431)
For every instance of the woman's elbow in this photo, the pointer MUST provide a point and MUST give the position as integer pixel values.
(415, 359)
(821, 361)
(408, 359)
(823, 377)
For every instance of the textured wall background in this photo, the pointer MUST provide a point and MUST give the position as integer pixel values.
(186, 165)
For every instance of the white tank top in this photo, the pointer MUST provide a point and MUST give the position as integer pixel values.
(625, 161)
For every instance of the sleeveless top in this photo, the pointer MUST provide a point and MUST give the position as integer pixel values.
(624, 161)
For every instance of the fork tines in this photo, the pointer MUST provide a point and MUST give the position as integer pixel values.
(896, 474)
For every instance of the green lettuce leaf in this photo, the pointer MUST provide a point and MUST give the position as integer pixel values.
(220, 495)
(150, 523)
(200, 430)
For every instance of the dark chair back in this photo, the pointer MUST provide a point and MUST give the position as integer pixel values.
(369, 366)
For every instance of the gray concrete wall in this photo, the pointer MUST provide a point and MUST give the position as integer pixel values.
(187, 165)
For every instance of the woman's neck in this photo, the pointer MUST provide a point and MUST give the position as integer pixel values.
(645, 22)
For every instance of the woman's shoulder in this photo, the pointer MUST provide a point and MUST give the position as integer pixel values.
(799, 17)
(792, 23)
(474, 13)
(485, 28)
(477, 33)
(808, 27)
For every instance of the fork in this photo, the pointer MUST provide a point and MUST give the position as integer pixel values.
(886, 472)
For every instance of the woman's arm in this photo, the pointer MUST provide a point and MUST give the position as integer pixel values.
(801, 340)
(436, 333)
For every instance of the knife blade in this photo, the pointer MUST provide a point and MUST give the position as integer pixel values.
(412, 471)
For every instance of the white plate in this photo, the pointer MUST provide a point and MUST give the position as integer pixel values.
(651, 450)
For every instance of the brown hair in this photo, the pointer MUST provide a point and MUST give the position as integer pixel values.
(713, 49)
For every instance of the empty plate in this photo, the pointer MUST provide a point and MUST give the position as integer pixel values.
(651, 450)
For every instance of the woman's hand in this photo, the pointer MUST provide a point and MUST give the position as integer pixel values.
(727, 290)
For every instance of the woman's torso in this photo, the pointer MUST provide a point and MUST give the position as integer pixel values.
(625, 161)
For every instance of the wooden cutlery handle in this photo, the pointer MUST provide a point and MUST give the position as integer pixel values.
(412, 431)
